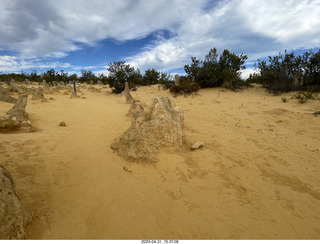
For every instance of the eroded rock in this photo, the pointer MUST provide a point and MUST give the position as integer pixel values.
(128, 97)
(93, 89)
(7, 125)
(18, 118)
(19, 109)
(47, 90)
(13, 87)
(38, 95)
(136, 107)
(5, 96)
(13, 218)
(176, 80)
(159, 126)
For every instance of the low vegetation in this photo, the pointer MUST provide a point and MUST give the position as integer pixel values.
(304, 96)
(281, 73)
(186, 86)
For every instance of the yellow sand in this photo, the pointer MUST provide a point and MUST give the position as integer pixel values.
(257, 177)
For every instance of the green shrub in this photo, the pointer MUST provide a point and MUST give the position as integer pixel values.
(309, 95)
(280, 72)
(165, 81)
(186, 86)
(304, 96)
(216, 69)
(284, 100)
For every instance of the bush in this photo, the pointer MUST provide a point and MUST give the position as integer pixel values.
(185, 87)
(120, 73)
(284, 100)
(216, 69)
(301, 98)
(166, 81)
(283, 73)
(309, 95)
(304, 96)
(150, 77)
(193, 88)
(176, 90)
(231, 80)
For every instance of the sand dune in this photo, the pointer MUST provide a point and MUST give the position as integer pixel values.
(257, 177)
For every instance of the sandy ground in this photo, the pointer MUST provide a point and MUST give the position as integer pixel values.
(257, 177)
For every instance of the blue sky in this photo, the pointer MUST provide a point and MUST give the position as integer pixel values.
(71, 35)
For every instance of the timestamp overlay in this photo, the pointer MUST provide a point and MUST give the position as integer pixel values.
(159, 241)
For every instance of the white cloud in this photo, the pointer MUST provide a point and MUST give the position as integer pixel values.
(8, 62)
(37, 28)
(53, 29)
(15, 64)
(256, 28)
(247, 72)
(294, 24)
(101, 71)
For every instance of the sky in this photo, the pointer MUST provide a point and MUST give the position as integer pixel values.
(71, 35)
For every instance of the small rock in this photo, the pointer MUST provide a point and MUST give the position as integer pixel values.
(316, 113)
(197, 145)
(125, 168)
(62, 123)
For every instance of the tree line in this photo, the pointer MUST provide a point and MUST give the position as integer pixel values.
(119, 73)
(287, 72)
(50, 76)
(283, 72)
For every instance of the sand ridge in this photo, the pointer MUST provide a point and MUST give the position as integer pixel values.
(255, 178)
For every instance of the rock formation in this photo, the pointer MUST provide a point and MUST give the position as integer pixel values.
(298, 79)
(136, 107)
(18, 118)
(5, 96)
(159, 126)
(93, 89)
(7, 125)
(38, 95)
(13, 87)
(129, 98)
(47, 90)
(19, 109)
(26, 90)
(13, 218)
(176, 80)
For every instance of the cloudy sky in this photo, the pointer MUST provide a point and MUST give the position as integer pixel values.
(71, 35)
